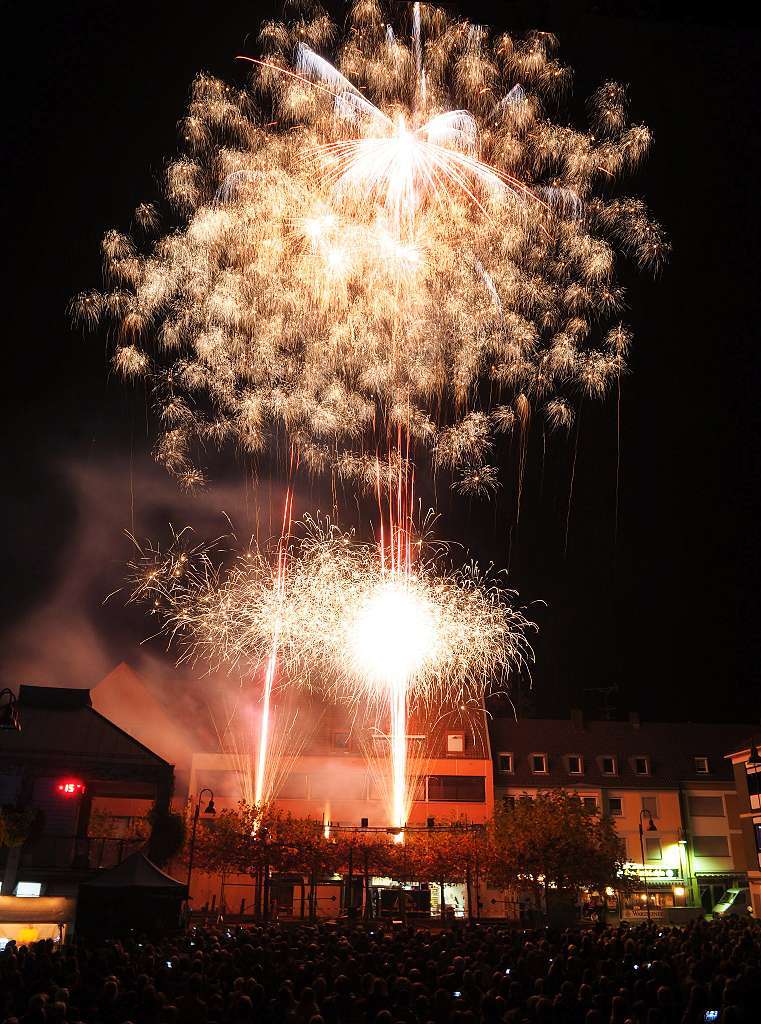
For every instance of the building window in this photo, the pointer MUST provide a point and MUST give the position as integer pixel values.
(615, 806)
(590, 803)
(340, 740)
(455, 742)
(505, 763)
(701, 766)
(457, 788)
(653, 849)
(706, 806)
(757, 830)
(710, 846)
(608, 765)
(650, 803)
(508, 802)
(539, 764)
(641, 766)
(575, 764)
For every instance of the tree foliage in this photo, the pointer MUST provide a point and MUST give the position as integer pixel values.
(554, 840)
(16, 826)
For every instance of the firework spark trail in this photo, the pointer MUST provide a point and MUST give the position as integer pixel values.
(391, 605)
(238, 735)
(399, 751)
(387, 236)
(263, 793)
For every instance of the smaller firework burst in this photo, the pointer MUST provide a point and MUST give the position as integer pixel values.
(344, 620)
(386, 631)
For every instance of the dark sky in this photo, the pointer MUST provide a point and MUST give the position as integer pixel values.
(666, 609)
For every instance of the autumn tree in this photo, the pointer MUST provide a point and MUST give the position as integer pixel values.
(553, 841)
(367, 854)
(17, 826)
(258, 841)
(445, 854)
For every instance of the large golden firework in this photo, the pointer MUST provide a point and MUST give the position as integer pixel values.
(393, 234)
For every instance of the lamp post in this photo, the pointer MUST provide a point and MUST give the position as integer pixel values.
(209, 809)
(644, 813)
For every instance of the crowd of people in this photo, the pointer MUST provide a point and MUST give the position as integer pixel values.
(302, 974)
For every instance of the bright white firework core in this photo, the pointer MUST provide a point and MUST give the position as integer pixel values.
(391, 638)
(394, 633)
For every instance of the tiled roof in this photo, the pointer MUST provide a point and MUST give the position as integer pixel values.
(671, 749)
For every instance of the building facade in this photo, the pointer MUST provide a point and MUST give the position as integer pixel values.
(746, 766)
(667, 788)
(79, 790)
(337, 775)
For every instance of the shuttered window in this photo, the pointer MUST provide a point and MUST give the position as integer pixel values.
(706, 806)
(710, 846)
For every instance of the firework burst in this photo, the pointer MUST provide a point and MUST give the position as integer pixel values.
(394, 225)
(345, 619)
(388, 636)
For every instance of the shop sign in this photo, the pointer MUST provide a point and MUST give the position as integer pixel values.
(651, 873)
(640, 913)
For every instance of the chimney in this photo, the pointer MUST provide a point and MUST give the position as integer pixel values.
(577, 718)
(634, 719)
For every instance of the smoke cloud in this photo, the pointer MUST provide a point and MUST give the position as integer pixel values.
(81, 629)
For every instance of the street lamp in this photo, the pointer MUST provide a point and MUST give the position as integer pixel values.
(9, 716)
(209, 809)
(644, 813)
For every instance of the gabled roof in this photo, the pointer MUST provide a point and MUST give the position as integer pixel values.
(60, 721)
(124, 698)
(135, 872)
(671, 749)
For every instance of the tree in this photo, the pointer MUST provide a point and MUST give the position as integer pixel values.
(553, 841)
(443, 855)
(17, 826)
(363, 853)
(257, 841)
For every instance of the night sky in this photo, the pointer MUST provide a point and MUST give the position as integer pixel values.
(660, 602)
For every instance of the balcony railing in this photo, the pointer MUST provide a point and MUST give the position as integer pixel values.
(77, 853)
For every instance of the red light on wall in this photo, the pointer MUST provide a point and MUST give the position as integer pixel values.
(71, 787)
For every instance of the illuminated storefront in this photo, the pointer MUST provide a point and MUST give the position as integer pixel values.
(652, 893)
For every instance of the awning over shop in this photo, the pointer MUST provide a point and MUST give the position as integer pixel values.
(720, 876)
(37, 910)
